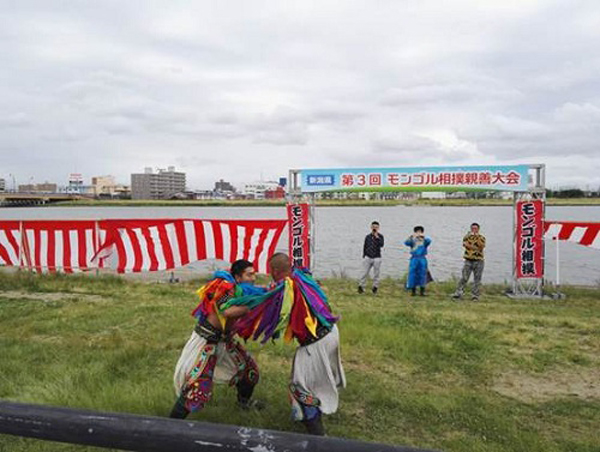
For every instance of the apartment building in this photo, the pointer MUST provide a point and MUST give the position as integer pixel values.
(162, 184)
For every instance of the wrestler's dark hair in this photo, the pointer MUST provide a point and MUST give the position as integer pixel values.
(374, 222)
(419, 229)
(475, 224)
(239, 266)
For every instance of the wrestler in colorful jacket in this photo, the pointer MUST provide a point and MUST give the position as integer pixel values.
(296, 308)
(211, 353)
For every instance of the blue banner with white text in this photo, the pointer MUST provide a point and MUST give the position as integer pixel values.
(435, 178)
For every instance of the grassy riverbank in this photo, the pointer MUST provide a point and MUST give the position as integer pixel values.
(320, 202)
(499, 375)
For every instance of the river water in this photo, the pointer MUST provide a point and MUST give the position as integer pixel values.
(340, 233)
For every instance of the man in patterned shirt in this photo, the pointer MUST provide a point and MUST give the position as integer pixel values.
(473, 243)
(371, 257)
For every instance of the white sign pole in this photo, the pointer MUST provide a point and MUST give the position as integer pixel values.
(557, 262)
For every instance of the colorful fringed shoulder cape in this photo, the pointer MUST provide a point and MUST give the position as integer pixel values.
(219, 289)
(295, 307)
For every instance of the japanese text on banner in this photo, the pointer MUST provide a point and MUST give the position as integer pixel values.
(463, 178)
(528, 241)
(299, 234)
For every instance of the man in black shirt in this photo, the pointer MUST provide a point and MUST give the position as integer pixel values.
(371, 257)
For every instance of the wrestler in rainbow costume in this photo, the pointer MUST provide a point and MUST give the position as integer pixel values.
(296, 308)
(212, 353)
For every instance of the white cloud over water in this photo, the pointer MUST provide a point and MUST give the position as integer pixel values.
(241, 90)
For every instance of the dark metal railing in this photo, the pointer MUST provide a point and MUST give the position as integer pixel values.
(155, 434)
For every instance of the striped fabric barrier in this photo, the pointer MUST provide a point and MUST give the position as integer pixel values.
(582, 233)
(59, 245)
(151, 245)
(10, 243)
(135, 245)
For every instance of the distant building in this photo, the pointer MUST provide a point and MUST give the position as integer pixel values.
(181, 195)
(122, 191)
(456, 195)
(2, 185)
(46, 187)
(203, 194)
(103, 185)
(433, 195)
(388, 195)
(223, 190)
(277, 193)
(75, 183)
(76, 186)
(223, 186)
(160, 185)
(257, 190)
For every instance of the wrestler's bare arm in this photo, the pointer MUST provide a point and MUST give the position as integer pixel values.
(235, 312)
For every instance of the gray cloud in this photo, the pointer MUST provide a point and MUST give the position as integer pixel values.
(15, 120)
(109, 87)
(452, 93)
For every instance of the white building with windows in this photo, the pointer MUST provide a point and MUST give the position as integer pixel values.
(256, 190)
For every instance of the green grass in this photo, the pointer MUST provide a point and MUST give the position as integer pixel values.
(499, 375)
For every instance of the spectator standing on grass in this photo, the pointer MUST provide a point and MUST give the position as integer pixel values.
(417, 268)
(371, 258)
(473, 243)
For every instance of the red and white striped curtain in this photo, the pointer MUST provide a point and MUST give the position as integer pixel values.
(10, 243)
(59, 245)
(150, 245)
(135, 245)
(582, 233)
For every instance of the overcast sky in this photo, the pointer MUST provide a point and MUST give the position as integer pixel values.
(247, 89)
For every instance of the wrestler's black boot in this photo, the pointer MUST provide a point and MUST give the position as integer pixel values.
(244, 396)
(179, 411)
(315, 426)
(422, 291)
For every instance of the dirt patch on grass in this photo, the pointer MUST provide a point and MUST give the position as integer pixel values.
(48, 297)
(551, 385)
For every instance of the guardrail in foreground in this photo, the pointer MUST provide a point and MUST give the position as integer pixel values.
(155, 434)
